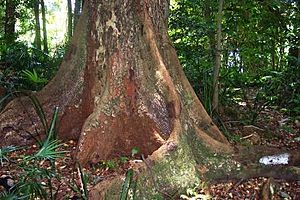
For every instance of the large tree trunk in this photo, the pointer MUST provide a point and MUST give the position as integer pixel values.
(121, 86)
(137, 92)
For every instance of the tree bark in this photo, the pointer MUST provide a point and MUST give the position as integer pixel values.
(121, 86)
(37, 40)
(10, 21)
(70, 21)
(145, 110)
(45, 38)
(122, 76)
(77, 11)
(215, 100)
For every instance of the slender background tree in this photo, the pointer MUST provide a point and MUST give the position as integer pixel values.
(38, 39)
(215, 99)
(10, 21)
(70, 20)
(44, 19)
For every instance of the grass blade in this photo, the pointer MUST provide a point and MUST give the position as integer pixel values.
(126, 184)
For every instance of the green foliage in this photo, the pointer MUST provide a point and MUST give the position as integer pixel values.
(297, 139)
(260, 66)
(4, 151)
(124, 159)
(110, 164)
(33, 78)
(28, 183)
(295, 105)
(126, 185)
(192, 30)
(31, 183)
(9, 196)
(50, 131)
(158, 197)
(84, 181)
(134, 151)
(128, 189)
(231, 137)
(17, 52)
(25, 67)
(81, 187)
(48, 151)
(36, 179)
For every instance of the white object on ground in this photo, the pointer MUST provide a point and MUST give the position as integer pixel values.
(280, 159)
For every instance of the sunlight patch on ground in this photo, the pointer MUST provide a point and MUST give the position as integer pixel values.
(280, 159)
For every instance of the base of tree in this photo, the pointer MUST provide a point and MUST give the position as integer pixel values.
(186, 162)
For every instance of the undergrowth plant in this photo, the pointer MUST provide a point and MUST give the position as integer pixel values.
(38, 169)
(23, 66)
(4, 151)
(80, 188)
(40, 113)
(128, 189)
(134, 151)
(34, 79)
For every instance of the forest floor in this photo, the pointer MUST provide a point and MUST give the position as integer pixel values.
(272, 128)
